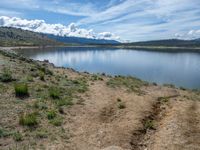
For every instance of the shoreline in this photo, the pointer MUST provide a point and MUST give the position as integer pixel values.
(145, 48)
(12, 50)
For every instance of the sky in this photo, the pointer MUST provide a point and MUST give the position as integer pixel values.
(125, 20)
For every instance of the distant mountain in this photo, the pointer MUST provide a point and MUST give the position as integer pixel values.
(79, 40)
(197, 40)
(10, 36)
(169, 43)
(18, 37)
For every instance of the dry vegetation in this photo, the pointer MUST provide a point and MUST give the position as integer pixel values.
(44, 107)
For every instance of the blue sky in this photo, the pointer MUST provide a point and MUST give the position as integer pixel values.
(134, 20)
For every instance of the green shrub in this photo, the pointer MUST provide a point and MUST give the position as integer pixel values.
(17, 136)
(6, 76)
(51, 114)
(28, 120)
(54, 93)
(21, 89)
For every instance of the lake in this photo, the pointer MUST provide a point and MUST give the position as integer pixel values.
(180, 69)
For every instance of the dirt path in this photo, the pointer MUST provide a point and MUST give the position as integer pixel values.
(179, 129)
(100, 124)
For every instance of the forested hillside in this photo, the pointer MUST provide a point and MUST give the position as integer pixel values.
(18, 37)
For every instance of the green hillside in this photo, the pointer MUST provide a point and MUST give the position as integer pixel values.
(18, 37)
(168, 42)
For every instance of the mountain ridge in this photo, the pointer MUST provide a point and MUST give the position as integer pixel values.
(10, 36)
(168, 42)
(17, 37)
(80, 40)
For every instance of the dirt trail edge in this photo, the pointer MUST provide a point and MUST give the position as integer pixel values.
(141, 136)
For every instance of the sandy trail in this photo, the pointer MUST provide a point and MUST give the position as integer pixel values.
(180, 129)
(100, 124)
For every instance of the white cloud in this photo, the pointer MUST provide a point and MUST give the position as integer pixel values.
(108, 35)
(112, 12)
(148, 19)
(131, 19)
(56, 29)
(190, 35)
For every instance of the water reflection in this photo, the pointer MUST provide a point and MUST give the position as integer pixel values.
(181, 69)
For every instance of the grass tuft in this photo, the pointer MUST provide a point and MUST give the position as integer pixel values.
(51, 114)
(4, 133)
(17, 136)
(54, 93)
(21, 90)
(131, 83)
(29, 120)
(6, 76)
(56, 121)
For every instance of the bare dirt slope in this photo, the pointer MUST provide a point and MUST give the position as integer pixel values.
(179, 129)
(103, 117)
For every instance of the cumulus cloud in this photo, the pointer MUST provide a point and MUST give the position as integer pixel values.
(190, 35)
(108, 35)
(57, 29)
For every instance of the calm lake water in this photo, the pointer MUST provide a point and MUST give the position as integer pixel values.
(180, 69)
